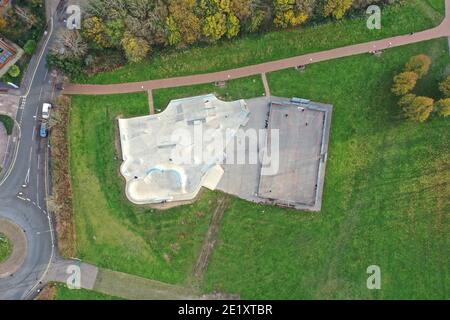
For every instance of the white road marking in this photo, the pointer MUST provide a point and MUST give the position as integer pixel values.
(27, 177)
(29, 157)
(41, 232)
(33, 134)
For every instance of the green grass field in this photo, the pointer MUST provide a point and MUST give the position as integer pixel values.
(385, 201)
(5, 248)
(243, 88)
(413, 15)
(111, 232)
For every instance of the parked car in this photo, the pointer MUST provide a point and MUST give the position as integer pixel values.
(46, 110)
(43, 132)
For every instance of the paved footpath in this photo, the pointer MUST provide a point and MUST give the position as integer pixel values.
(443, 30)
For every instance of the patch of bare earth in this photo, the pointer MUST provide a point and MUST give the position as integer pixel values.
(210, 238)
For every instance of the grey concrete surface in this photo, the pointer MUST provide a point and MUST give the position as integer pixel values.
(242, 180)
(169, 156)
(60, 271)
(300, 135)
(299, 181)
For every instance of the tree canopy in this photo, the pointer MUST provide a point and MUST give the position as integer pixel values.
(404, 83)
(419, 64)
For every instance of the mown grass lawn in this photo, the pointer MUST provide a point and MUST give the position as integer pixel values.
(5, 248)
(385, 203)
(412, 15)
(111, 232)
(243, 88)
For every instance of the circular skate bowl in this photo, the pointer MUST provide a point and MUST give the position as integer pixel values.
(159, 183)
(13, 244)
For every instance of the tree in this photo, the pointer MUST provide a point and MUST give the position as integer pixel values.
(233, 26)
(241, 9)
(3, 23)
(136, 49)
(219, 18)
(289, 13)
(29, 47)
(115, 30)
(419, 64)
(444, 87)
(185, 22)
(419, 109)
(443, 107)
(406, 100)
(94, 30)
(70, 44)
(404, 83)
(14, 71)
(215, 26)
(174, 35)
(256, 20)
(337, 8)
(71, 67)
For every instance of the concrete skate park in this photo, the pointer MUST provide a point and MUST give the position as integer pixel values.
(265, 150)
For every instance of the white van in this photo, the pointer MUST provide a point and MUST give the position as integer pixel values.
(46, 110)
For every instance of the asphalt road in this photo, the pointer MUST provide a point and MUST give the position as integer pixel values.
(23, 193)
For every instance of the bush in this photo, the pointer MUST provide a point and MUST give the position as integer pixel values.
(419, 109)
(444, 87)
(419, 64)
(14, 71)
(404, 83)
(71, 67)
(8, 123)
(443, 107)
(29, 47)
